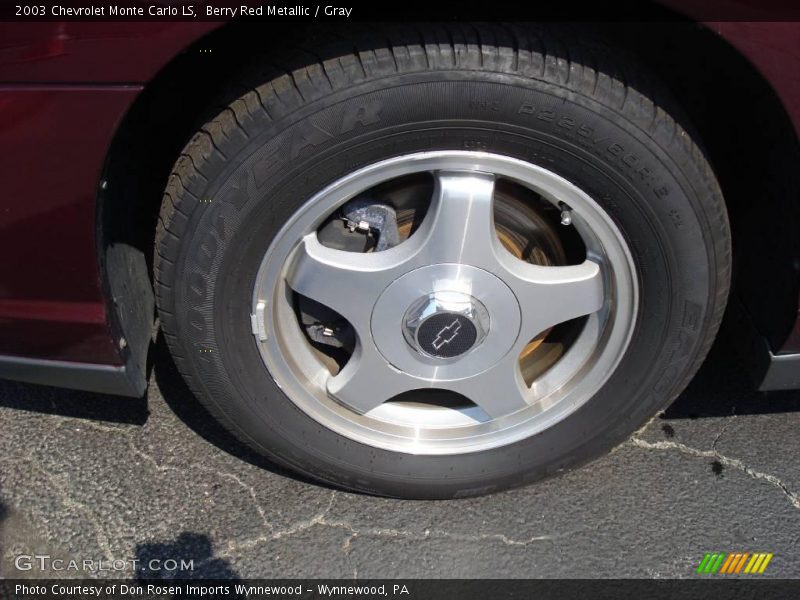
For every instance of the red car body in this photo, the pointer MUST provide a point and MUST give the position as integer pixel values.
(65, 89)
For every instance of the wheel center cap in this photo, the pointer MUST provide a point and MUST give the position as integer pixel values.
(445, 322)
(445, 325)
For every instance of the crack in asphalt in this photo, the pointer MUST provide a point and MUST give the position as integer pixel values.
(728, 422)
(100, 533)
(734, 463)
(230, 548)
(433, 533)
(253, 495)
(321, 520)
(61, 489)
(70, 502)
(233, 545)
(232, 476)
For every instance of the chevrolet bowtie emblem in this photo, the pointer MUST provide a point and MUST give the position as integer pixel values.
(447, 334)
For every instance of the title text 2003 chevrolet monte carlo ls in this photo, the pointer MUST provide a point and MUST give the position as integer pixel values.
(427, 261)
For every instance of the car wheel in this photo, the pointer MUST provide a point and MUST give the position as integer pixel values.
(445, 267)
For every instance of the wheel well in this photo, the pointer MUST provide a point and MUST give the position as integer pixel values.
(753, 149)
(741, 123)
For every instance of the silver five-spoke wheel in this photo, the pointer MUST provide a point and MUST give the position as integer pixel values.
(443, 318)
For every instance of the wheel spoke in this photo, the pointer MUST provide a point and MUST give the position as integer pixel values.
(347, 282)
(459, 225)
(552, 295)
(499, 391)
(367, 380)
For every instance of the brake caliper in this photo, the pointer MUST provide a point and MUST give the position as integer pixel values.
(373, 218)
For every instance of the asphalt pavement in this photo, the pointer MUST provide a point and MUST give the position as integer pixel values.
(91, 477)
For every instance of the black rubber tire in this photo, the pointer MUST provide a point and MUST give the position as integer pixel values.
(579, 110)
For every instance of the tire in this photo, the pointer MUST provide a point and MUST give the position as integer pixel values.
(508, 91)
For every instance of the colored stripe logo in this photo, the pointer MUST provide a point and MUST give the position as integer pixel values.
(734, 563)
